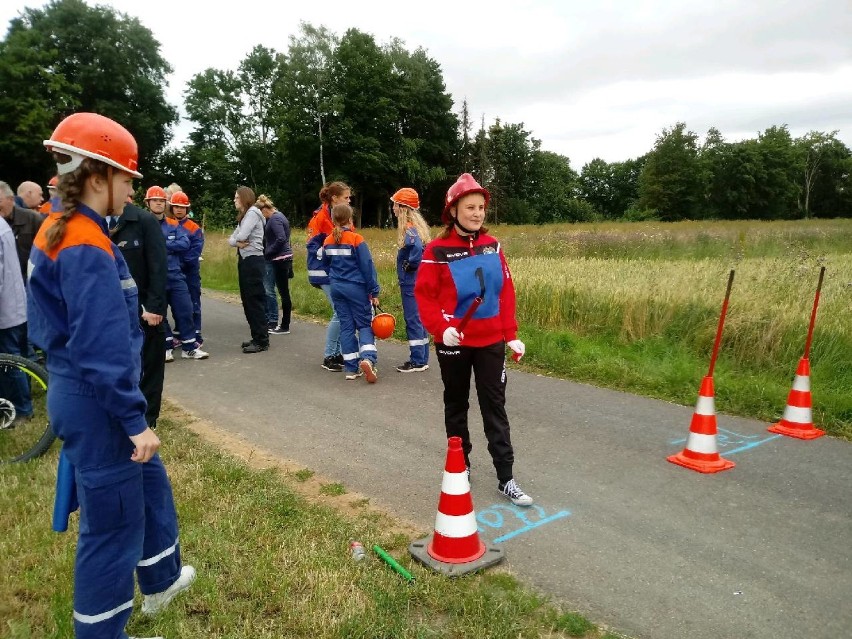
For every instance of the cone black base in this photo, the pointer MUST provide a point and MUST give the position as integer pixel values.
(418, 549)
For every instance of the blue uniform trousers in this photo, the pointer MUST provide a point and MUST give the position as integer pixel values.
(352, 304)
(418, 339)
(192, 273)
(127, 516)
(181, 304)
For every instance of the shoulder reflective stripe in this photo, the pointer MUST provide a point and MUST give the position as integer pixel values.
(338, 251)
(158, 557)
(128, 283)
(317, 273)
(109, 614)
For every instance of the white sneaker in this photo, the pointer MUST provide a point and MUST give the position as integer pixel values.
(355, 375)
(511, 490)
(196, 353)
(170, 356)
(152, 604)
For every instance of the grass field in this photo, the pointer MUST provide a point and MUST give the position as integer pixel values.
(271, 546)
(635, 306)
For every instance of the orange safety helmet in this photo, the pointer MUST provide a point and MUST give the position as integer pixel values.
(406, 197)
(383, 325)
(179, 199)
(463, 186)
(155, 193)
(53, 182)
(91, 135)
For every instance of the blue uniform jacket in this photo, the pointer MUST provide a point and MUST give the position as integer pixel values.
(349, 261)
(177, 244)
(408, 258)
(196, 242)
(83, 311)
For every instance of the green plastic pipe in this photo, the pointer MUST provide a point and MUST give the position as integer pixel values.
(390, 561)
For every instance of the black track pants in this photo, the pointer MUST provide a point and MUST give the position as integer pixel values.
(488, 364)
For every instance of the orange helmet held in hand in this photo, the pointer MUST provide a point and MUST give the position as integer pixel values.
(465, 185)
(383, 325)
(179, 199)
(90, 135)
(155, 193)
(406, 197)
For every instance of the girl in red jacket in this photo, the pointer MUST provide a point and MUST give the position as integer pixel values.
(466, 299)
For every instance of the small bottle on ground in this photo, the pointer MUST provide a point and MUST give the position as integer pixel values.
(357, 550)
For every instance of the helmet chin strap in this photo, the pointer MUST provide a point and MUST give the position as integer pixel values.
(463, 229)
(110, 210)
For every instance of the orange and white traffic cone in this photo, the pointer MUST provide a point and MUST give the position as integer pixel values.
(798, 420)
(701, 453)
(455, 547)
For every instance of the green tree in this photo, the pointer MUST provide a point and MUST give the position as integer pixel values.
(554, 190)
(672, 179)
(67, 57)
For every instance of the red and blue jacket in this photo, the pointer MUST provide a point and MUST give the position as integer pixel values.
(319, 228)
(177, 244)
(456, 270)
(349, 261)
(83, 311)
(196, 243)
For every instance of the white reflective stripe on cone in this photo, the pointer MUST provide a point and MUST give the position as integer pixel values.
(109, 614)
(797, 415)
(801, 383)
(705, 406)
(152, 560)
(455, 483)
(456, 526)
(699, 443)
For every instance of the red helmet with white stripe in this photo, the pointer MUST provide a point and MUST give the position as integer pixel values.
(465, 185)
(179, 199)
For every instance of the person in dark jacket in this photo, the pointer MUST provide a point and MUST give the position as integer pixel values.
(278, 254)
(137, 233)
(25, 224)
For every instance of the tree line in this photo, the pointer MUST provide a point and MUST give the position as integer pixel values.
(377, 116)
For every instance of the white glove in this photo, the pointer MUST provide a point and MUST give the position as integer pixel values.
(452, 337)
(518, 348)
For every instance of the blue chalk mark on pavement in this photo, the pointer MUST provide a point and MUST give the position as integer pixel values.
(492, 517)
(728, 438)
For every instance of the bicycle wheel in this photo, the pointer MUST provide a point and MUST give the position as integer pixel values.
(23, 387)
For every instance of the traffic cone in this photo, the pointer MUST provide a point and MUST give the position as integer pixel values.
(797, 420)
(455, 547)
(701, 453)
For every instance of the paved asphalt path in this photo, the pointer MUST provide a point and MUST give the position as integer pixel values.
(652, 549)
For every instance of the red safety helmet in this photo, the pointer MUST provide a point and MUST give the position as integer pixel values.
(463, 186)
(179, 199)
(155, 193)
(90, 135)
(383, 325)
(406, 197)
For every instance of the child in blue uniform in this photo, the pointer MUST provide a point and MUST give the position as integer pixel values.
(81, 296)
(412, 235)
(354, 287)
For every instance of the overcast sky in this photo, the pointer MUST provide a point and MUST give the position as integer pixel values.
(589, 79)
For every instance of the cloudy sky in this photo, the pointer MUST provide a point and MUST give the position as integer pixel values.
(589, 79)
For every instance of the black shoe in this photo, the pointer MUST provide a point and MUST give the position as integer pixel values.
(254, 347)
(279, 330)
(246, 344)
(338, 358)
(408, 367)
(330, 364)
(270, 325)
